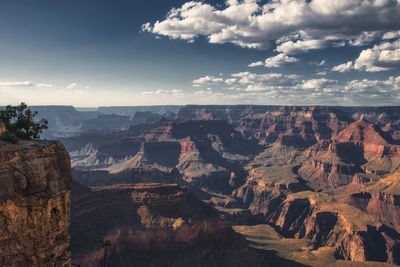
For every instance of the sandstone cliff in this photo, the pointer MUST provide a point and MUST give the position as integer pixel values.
(152, 225)
(35, 181)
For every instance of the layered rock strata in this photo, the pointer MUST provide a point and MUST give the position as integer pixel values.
(35, 181)
(152, 225)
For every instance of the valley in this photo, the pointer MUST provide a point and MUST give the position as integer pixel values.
(325, 178)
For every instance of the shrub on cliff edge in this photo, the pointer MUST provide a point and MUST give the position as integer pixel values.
(19, 122)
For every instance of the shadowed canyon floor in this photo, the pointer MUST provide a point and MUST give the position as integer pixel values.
(264, 237)
(150, 224)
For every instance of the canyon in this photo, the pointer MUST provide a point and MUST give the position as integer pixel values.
(300, 185)
(327, 175)
(151, 224)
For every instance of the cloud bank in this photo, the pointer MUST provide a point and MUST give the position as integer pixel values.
(295, 26)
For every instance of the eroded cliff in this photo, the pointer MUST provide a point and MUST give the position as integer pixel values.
(35, 181)
(152, 225)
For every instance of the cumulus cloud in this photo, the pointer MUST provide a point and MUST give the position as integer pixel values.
(275, 61)
(256, 64)
(316, 84)
(24, 84)
(146, 27)
(230, 81)
(248, 78)
(365, 38)
(345, 67)
(46, 85)
(17, 84)
(382, 57)
(377, 91)
(174, 92)
(72, 85)
(207, 80)
(279, 60)
(294, 25)
(391, 35)
(300, 46)
(294, 89)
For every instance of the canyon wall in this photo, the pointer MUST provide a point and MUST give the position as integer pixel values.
(35, 181)
(150, 224)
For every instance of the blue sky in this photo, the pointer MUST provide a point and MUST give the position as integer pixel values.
(124, 52)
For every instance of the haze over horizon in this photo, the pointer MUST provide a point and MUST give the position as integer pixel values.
(176, 52)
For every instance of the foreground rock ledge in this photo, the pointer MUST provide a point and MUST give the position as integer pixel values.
(35, 182)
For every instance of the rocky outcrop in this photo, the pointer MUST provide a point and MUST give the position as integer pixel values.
(383, 205)
(205, 152)
(294, 126)
(327, 175)
(152, 225)
(363, 228)
(35, 181)
(361, 147)
(363, 131)
(354, 235)
(129, 176)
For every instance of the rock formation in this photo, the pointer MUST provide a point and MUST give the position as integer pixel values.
(152, 225)
(325, 174)
(35, 181)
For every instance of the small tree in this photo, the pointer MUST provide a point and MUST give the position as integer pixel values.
(20, 123)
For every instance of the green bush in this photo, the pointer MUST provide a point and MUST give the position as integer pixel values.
(9, 138)
(20, 123)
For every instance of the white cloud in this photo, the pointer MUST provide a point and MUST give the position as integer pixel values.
(230, 81)
(47, 85)
(146, 27)
(317, 84)
(381, 57)
(322, 73)
(299, 25)
(345, 67)
(247, 78)
(294, 89)
(256, 64)
(391, 35)
(17, 84)
(279, 60)
(365, 38)
(207, 80)
(72, 85)
(300, 46)
(275, 61)
(24, 84)
(174, 92)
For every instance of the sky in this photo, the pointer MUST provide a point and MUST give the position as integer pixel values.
(90, 53)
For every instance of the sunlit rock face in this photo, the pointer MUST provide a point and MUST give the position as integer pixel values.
(35, 181)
